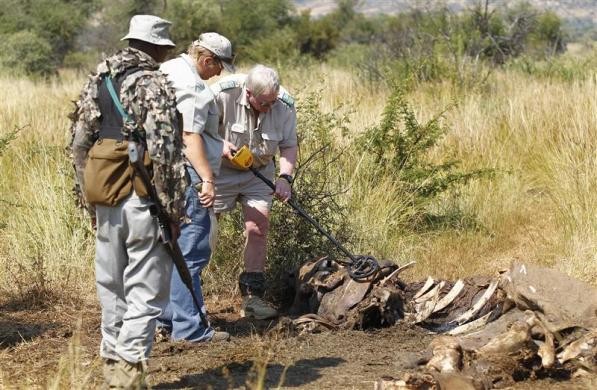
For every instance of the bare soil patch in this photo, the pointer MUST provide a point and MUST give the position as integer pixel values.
(32, 342)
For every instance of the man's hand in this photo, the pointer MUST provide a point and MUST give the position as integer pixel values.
(228, 150)
(283, 190)
(208, 194)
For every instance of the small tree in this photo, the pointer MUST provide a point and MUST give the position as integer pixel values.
(400, 147)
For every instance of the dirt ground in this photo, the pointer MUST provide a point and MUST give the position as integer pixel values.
(33, 341)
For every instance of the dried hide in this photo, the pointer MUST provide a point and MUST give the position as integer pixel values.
(325, 289)
(561, 301)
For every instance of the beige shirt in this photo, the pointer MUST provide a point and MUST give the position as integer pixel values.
(195, 102)
(265, 134)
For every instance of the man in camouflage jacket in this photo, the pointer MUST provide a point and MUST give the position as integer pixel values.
(132, 266)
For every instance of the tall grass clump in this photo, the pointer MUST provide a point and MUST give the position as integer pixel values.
(539, 136)
(46, 245)
(75, 368)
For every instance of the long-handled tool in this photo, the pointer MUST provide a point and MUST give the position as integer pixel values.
(358, 267)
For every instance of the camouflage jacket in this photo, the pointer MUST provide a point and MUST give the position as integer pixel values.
(148, 99)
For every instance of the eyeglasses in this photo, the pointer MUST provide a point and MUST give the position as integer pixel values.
(264, 103)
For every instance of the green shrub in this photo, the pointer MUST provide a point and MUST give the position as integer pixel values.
(26, 52)
(566, 68)
(43, 31)
(400, 149)
(316, 188)
(277, 49)
(191, 18)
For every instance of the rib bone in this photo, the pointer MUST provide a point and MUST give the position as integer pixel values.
(431, 293)
(450, 296)
(466, 316)
(428, 283)
(396, 272)
(425, 309)
(473, 325)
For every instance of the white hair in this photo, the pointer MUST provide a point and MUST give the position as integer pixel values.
(263, 80)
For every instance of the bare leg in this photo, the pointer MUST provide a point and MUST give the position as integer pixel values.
(256, 228)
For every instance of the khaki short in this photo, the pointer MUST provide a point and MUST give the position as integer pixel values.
(233, 186)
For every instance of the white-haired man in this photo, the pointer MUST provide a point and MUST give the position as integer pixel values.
(204, 149)
(255, 111)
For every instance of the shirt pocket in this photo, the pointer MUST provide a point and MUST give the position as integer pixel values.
(268, 146)
(237, 135)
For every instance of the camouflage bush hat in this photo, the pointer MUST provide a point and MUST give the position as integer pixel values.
(220, 46)
(151, 29)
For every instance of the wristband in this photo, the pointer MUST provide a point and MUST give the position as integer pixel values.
(286, 177)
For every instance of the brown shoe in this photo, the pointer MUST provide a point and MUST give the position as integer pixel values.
(255, 307)
(108, 370)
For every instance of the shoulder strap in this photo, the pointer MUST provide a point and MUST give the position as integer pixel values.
(224, 85)
(287, 99)
(115, 98)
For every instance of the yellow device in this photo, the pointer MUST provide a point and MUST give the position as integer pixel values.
(243, 158)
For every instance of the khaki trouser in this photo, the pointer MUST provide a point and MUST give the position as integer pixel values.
(132, 270)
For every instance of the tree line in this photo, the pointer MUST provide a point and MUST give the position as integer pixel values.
(38, 37)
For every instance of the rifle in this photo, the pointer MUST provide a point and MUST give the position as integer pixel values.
(158, 212)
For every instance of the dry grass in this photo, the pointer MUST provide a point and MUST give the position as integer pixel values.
(74, 370)
(541, 138)
(539, 135)
(45, 244)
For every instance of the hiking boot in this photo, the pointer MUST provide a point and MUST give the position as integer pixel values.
(127, 376)
(257, 308)
(108, 370)
(219, 336)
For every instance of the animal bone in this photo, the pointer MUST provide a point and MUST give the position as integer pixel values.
(582, 346)
(396, 272)
(547, 351)
(415, 381)
(470, 326)
(447, 355)
(510, 341)
(424, 310)
(478, 305)
(431, 293)
(428, 283)
(450, 296)
(547, 348)
(420, 381)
